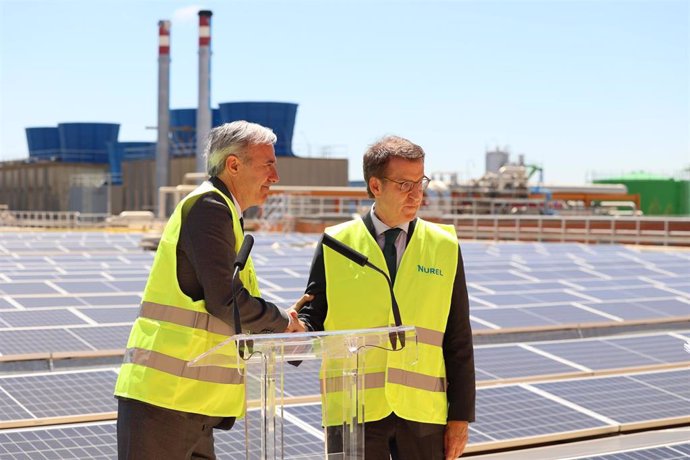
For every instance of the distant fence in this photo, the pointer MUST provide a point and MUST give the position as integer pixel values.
(51, 219)
(311, 209)
(311, 212)
(666, 231)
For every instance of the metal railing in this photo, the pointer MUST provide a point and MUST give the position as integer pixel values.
(661, 230)
(287, 208)
(51, 219)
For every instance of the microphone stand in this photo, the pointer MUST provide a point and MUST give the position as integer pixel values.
(362, 260)
(244, 347)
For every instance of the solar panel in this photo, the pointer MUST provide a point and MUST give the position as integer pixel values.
(479, 278)
(625, 399)
(103, 337)
(84, 287)
(617, 283)
(643, 309)
(26, 288)
(526, 286)
(19, 342)
(134, 285)
(566, 274)
(528, 299)
(673, 382)
(509, 361)
(111, 315)
(112, 300)
(56, 317)
(92, 441)
(508, 317)
(627, 293)
(5, 305)
(302, 380)
(56, 301)
(675, 452)
(11, 409)
(511, 412)
(543, 284)
(619, 352)
(62, 394)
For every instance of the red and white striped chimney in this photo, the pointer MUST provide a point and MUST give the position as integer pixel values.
(203, 112)
(163, 142)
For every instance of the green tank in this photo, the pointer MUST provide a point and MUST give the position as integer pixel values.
(659, 196)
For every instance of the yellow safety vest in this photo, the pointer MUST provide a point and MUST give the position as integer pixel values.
(414, 387)
(172, 329)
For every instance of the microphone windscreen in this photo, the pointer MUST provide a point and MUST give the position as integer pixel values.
(244, 251)
(344, 250)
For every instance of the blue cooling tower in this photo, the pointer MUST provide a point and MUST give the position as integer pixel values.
(183, 130)
(44, 143)
(86, 142)
(279, 116)
(119, 151)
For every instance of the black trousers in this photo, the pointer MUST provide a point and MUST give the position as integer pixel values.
(150, 432)
(396, 438)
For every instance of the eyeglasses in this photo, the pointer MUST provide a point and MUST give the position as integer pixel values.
(407, 186)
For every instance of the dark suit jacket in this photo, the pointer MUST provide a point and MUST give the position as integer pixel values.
(205, 264)
(457, 341)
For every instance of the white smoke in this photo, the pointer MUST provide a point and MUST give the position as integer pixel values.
(187, 15)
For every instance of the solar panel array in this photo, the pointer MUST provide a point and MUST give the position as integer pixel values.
(73, 292)
(568, 408)
(679, 451)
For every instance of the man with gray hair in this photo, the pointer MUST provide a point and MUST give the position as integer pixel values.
(165, 408)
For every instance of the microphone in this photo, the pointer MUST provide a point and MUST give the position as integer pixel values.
(362, 260)
(240, 262)
(244, 251)
(344, 250)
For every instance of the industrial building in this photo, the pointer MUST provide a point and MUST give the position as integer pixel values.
(84, 167)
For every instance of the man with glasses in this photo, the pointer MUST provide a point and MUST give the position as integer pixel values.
(413, 411)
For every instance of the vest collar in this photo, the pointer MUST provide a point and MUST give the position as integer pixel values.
(220, 185)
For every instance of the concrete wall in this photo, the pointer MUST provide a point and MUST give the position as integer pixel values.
(42, 186)
(139, 185)
(313, 171)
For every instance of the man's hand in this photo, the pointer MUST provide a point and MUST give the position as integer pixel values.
(295, 325)
(455, 439)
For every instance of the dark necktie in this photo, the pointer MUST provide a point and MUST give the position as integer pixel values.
(242, 224)
(390, 253)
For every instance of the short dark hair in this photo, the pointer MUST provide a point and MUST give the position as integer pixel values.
(380, 152)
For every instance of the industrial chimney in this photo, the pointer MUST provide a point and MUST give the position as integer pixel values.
(203, 113)
(163, 145)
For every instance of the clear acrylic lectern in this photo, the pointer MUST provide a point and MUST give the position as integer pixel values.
(351, 361)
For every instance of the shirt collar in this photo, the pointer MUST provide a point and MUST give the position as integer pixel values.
(380, 227)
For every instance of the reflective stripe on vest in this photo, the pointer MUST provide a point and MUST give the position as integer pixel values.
(378, 379)
(172, 329)
(429, 336)
(179, 367)
(184, 317)
(358, 297)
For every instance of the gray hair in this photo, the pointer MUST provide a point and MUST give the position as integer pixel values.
(380, 152)
(233, 139)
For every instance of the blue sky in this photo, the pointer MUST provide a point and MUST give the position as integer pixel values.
(578, 87)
